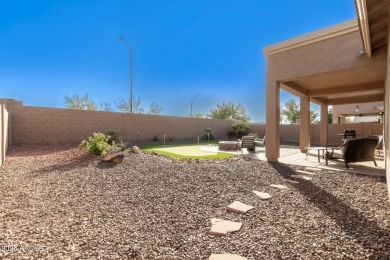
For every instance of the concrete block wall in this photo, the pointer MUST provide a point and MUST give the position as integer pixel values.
(4, 132)
(34, 125)
(37, 125)
(2, 154)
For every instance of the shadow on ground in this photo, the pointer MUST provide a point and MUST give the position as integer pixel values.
(351, 221)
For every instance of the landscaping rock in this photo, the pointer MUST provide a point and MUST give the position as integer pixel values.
(239, 207)
(62, 200)
(115, 158)
(262, 195)
(220, 227)
(226, 257)
(135, 149)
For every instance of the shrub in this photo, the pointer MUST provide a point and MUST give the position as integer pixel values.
(208, 135)
(155, 138)
(232, 134)
(242, 128)
(96, 144)
(170, 139)
(113, 138)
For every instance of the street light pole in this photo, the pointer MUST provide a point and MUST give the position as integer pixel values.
(131, 72)
(193, 102)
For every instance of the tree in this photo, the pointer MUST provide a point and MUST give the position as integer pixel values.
(314, 117)
(330, 115)
(124, 105)
(79, 102)
(155, 109)
(290, 111)
(197, 115)
(229, 111)
(105, 106)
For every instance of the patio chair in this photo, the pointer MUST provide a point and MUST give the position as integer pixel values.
(379, 138)
(356, 150)
(247, 142)
(260, 142)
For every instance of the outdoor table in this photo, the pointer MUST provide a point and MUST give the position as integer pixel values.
(323, 152)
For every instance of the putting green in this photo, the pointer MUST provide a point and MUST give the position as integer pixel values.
(193, 150)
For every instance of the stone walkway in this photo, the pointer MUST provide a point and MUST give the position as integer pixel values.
(221, 227)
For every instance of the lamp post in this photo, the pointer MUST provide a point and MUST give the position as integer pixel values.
(131, 72)
(193, 102)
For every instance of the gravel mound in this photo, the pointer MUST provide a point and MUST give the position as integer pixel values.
(59, 203)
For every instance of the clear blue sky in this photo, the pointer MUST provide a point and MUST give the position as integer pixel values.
(50, 49)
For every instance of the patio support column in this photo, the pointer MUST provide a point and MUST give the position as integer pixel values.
(272, 126)
(324, 125)
(386, 116)
(304, 121)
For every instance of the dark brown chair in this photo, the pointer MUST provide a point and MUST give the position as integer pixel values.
(357, 150)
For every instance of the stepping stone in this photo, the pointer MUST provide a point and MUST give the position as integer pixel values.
(239, 207)
(313, 169)
(226, 257)
(262, 195)
(301, 177)
(279, 186)
(293, 182)
(305, 172)
(220, 227)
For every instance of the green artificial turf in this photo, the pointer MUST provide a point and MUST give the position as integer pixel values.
(185, 151)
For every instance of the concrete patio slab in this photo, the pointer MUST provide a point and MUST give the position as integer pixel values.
(292, 181)
(279, 186)
(262, 195)
(220, 227)
(306, 172)
(226, 257)
(301, 177)
(312, 169)
(239, 207)
(293, 156)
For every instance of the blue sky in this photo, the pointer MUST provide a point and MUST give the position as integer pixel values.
(50, 49)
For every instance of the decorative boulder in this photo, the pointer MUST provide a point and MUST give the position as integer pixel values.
(135, 149)
(115, 158)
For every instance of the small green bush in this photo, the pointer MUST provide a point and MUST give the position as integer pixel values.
(242, 128)
(96, 144)
(232, 134)
(113, 138)
(208, 135)
(155, 138)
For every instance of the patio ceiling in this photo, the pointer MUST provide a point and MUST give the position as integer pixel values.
(373, 17)
(355, 85)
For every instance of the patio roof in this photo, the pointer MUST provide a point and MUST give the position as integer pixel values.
(359, 79)
(373, 17)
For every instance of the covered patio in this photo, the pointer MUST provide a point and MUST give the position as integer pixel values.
(342, 64)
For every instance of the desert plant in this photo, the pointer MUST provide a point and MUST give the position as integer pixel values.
(208, 134)
(232, 134)
(113, 138)
(96, 144)
(242, 128)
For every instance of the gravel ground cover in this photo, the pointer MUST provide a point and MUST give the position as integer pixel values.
(58, 203)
